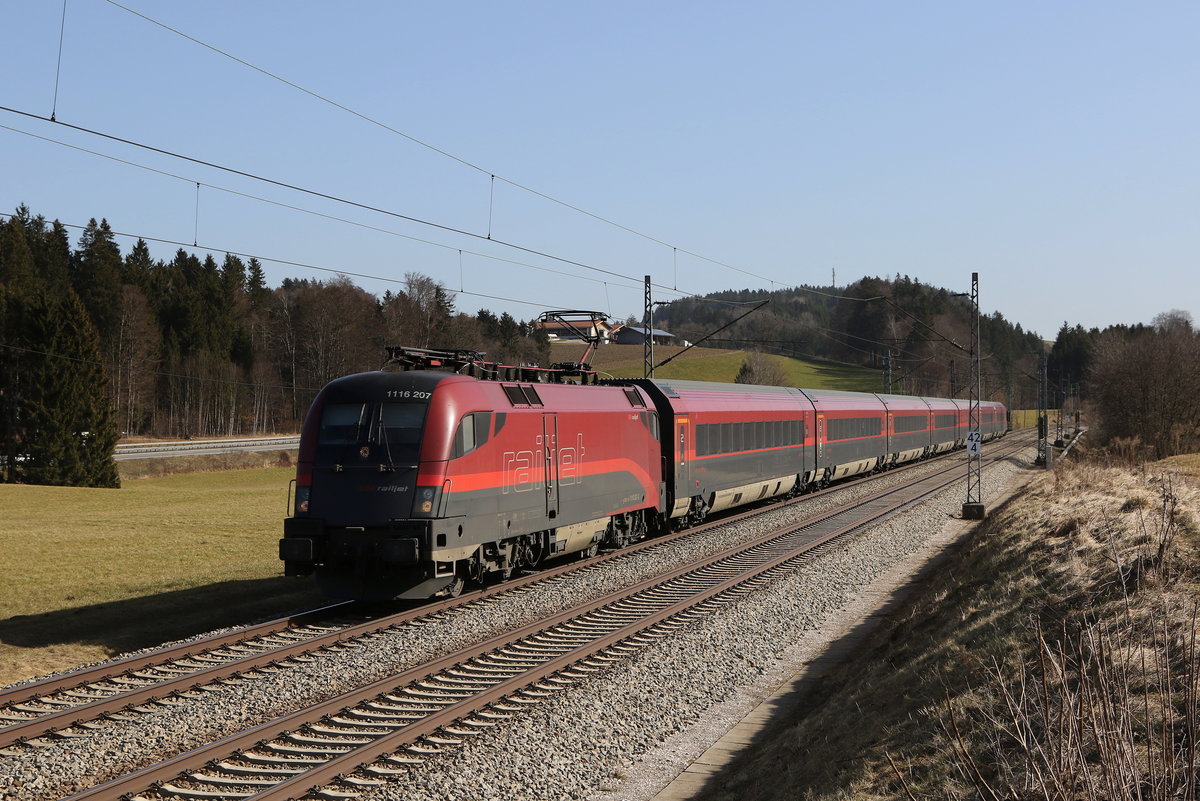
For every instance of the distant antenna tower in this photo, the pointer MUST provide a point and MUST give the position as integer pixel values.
(834, 284)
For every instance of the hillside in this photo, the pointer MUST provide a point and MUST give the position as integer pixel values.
(1052, 656)
(924, 330)
(712, 364)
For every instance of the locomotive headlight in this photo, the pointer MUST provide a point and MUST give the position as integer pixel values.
(302, 494)
(425, 501)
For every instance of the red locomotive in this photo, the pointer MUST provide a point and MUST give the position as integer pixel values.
(445, 469)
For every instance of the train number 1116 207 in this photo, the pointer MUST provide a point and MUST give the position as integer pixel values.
(408, 394)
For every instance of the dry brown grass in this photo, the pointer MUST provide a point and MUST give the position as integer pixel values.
(1188, 465)
(1053, 657)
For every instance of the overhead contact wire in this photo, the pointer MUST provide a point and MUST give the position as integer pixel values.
(160, 373)
(303, 265)
(316, 193)
(435, 149)
(301, 209)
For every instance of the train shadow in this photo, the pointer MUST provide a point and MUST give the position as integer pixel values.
(151, 620)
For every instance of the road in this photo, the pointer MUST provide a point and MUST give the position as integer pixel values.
(197, 447)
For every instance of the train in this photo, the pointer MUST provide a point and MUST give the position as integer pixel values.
(443, 469)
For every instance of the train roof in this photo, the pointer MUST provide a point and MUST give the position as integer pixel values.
(678, 387)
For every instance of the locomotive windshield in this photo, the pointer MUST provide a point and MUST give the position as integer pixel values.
(343, 424)
(400, 427)
(395, 428)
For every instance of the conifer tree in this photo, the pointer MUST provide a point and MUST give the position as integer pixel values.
(65, 422)
(138, 267)
(18, 274)
(256, 285)
(97, 277)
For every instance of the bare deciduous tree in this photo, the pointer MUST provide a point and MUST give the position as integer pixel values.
(762, 369)
(1145, 385)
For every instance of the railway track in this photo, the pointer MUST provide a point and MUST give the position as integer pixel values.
(359, 739)
(72, 704)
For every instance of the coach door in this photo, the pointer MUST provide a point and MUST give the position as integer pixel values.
(550, 451)
(683, 471)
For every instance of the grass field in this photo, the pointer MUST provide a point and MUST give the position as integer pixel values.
(89, 573)
(1027, 418)
(714, 364)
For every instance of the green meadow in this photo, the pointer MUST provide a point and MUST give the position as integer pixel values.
(89, 573)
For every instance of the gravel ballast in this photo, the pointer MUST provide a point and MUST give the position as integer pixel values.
(579, 741)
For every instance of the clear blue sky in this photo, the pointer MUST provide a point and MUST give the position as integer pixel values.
(1050, 147)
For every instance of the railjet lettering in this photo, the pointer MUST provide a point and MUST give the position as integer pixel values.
(570, 463)
(519, 467)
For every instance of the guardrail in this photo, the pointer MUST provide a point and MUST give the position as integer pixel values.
(252, 443)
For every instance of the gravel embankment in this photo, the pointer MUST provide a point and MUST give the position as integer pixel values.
(576, 742)
(584, 742)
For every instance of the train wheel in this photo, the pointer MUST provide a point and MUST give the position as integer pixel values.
(456, 586)
(590, 551)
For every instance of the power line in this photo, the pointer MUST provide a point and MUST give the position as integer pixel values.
(159, 373)
(300, 264)
(313, 192)
(300, 88)
(323, 195)
(292, 207)
(492, 175)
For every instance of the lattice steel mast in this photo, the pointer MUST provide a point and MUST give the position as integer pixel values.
(648, 344)
(974, 509)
